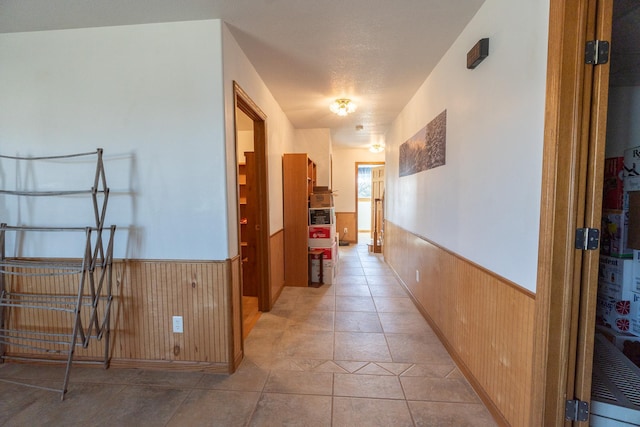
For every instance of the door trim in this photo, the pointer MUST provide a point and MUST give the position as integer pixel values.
(565, 161)
(243, 102)
(600, 29)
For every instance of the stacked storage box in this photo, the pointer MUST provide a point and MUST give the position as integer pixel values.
(618, 307)
(322, 235)
(615, 213)
(618, 297)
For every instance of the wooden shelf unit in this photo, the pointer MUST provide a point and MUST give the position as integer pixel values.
(311, 176)
(248, 238)
(299, 177)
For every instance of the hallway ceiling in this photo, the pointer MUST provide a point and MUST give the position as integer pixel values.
(376, 52)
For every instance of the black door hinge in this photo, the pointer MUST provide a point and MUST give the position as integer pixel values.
(587, 239)
(596, 52)
(576, 410)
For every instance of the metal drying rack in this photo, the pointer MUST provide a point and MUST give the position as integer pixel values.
(85, 310)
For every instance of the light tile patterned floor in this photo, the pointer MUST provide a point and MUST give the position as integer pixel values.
(356, 353)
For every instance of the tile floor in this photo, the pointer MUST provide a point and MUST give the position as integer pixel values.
(355, 353)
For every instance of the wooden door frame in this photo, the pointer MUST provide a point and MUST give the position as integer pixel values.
(358, 164)
(600, 28)
(568, 171)
(244, 103)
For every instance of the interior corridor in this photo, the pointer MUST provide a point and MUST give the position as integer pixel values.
(356, 353)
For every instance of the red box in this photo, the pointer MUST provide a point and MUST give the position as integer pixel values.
(613, 185)
(319, 232)
(322, 236)
(327, 253)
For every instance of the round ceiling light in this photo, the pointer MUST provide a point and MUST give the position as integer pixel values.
(376, 147)
(342, 106)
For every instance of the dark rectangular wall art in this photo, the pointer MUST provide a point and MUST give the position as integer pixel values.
(426, 149)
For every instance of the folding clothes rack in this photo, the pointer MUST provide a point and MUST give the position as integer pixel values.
(85, 310)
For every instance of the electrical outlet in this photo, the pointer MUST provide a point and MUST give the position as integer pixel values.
(177, 325)
(417, 275)
(345, 231)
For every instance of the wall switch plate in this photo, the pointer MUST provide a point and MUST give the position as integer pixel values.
(177, 325)
(417, 275)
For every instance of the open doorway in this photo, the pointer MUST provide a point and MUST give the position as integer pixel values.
(368, 202)
(247, 208)
(253, 212)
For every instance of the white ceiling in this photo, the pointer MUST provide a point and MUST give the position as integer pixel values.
(376, 52)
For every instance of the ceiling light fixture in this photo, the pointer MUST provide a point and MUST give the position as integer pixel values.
(342, 106)
(376, 147)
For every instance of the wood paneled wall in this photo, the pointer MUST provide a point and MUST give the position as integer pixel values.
(234, 306)
(276, 250)
(347, 220)
(485, 321)
(146, 294)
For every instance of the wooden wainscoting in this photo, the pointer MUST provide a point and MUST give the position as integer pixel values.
(347, 220)
(234, 305)
(276, 248)
(146, 294)
(485, 321)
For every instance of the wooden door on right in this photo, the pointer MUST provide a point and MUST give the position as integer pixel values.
(377, 207)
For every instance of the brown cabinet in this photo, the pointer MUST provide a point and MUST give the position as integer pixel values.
(248, 222)
(299, 177)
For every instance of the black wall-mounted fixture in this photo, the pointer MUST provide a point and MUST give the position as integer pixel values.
(477, 53)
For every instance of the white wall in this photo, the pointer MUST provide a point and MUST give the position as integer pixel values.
(151, 96)
(484, 204)
(364, 216)
(280, 132)
(623, 128)
(317, 144)
(344, 174)
(245, 144)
